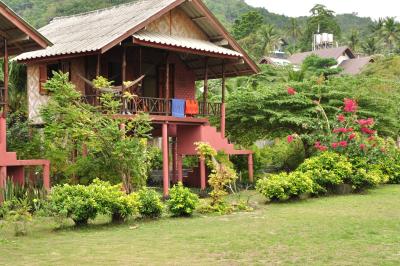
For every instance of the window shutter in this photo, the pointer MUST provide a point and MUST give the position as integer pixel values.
(42, 79)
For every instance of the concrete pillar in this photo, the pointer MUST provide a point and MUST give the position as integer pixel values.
(46, 177)
(251, 168)
(3, 178)
(3, 135)
(202, 173)
(165, 159)
(174, 160)
(180, 170)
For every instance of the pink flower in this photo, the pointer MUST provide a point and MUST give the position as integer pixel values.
(291, 91)
(323, 148)
(350, 129)
(350, 106)
(335, 145)
(341, 118)
(343, 144)
(352, 136)
(371, 138)
(362, 146)
(366, 122)
(340, 130)
(317, 144)
(290, 138)
(367, 131)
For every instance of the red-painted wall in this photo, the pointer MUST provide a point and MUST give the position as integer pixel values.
(184, 80)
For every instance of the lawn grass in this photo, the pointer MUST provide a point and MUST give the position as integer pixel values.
(343, 230)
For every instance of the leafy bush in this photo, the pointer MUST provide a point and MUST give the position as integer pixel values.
(279, 156)
(75, 202)
(390, 166)
(327, 170)
(150, 205)
(112, 200)
(182, 201)
(20, 216)
(284, 186)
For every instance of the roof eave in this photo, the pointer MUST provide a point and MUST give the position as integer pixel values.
(212, 19)
(24, 26)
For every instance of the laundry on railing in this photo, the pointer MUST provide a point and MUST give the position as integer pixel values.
(192, 107)
(178, 108)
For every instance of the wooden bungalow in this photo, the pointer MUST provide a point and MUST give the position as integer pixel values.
(16, 37)
(168, 45)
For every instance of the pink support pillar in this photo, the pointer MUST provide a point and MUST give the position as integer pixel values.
(3, 176)
(174, 161)
(180, 170)
(202, 173)
(165, 159)
(223, 120)
(3, 133)
(46, 176)
(251, 169)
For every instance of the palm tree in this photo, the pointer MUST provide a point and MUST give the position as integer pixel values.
(269, 38)
(354, 39)
(370, 46)
(390, 33)
(294, 30)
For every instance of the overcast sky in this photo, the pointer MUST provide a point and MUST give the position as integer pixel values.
(365, 8)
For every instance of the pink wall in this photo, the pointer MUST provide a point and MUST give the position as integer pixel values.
(184, 80)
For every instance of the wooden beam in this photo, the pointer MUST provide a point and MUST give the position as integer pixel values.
(223, 87)
(7, 36)
(199, 18)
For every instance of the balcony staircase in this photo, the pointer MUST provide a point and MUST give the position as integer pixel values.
(188, 136)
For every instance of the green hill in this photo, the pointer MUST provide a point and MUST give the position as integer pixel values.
(40, 12)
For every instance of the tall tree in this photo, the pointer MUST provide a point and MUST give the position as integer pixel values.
(269, 38)
(390, 33)
(246, 24)
(354, 39)
(321, 20)
(293, 30)
(370, 46)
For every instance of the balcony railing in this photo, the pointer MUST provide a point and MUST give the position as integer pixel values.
(156, 106)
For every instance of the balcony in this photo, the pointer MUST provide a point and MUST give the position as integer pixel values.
(157, 106)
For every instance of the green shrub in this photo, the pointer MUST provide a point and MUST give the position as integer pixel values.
(150, 205)
(111, 200)
(327, 170)
(284, 186)
(390, 166)
(182, 201)
(75, 202)
(19, 216)
(368, 175)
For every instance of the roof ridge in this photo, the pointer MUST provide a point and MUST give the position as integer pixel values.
(97, 10)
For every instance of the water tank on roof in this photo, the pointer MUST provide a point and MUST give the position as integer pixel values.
(325, 37)
(330, 38)
(318, 39)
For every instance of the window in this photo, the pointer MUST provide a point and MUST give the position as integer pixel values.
(46, 72)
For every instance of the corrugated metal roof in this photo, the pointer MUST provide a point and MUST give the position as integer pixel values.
(334, 53)
(356, 65)
(91, 31)
(182, 42)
